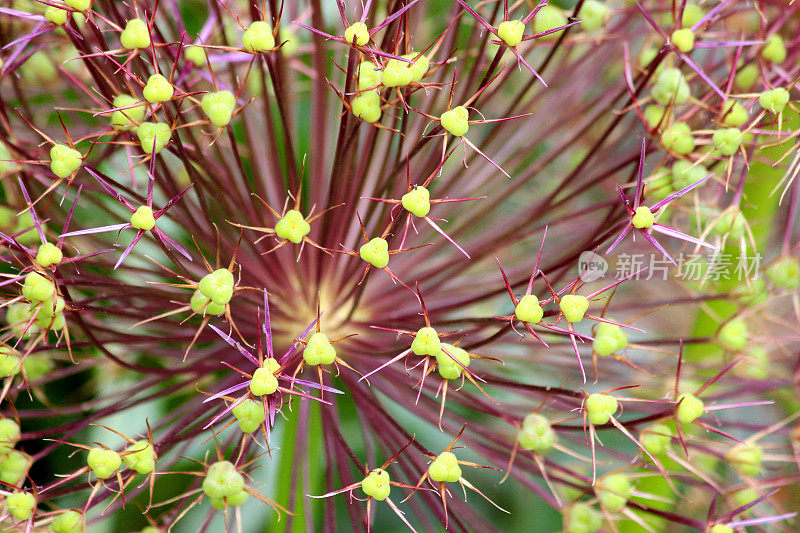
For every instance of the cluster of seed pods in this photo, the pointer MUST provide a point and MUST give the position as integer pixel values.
(143, 241)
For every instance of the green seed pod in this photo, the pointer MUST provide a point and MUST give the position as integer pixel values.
(689, 408)
(747, 76)
(733, 335)
(656, 439)
(582, 518)
(445, 468)
(6, 165)
(536, 434)
(141, 457)
(48, 309)
(292, 227)
(647, 55)
(774, 49)
(727, 141)
(692, 14)
(158, 89)
(38, 288)
(67, 522)
(744, 496)
(396, 73)
(448, 368)
(7, 215)
(264, 381)
(195, 55)
(600, 408)
(609, 338)
(16, 223)
(10, 362)
(143, 219)
(368, 76)
(204, 306)
(357, 33)
(683, 39)
(290, 40)
(593, 15)
(678, 138)
(754, 294)
(376, 484)
(48, 255)
(223, 480)
(367, 106)
(511, 32)
(643, 218)
(14, 466)
(127, 119)
(24, 220)
(417, 201)
(250, 415)
(58, 322)
(785, 273)
(684, 174)
(670, 86)
(774, 100)
(529, 309)
(149, 132)
(659, 186)
(69, 53)
(21, 505)
(56, 15)
(426, 342)
(9, 434)
(104, 463)
(605, 329)
(574, 306)
(39, 69)
(604, 346)
(258, 37)
(732, 223)
(18, 316)
(734, 114)
(79, 5)
(318, 350)
(456, 121)
(419, 67)
(234, 500)
(654, 115)
(375, 252)
(218, 286)
(745, 459)
(218, 107)
(549, 18)
(47, 320)
(37, 366)
(64, 161)
(613, 491)
(136, 35)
